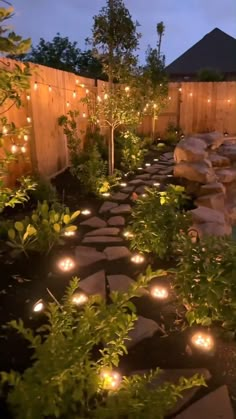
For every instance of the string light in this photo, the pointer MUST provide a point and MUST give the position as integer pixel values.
(67, 104)
(84, 115)
(169, 97)
(99, 99)
(87, 91)
(74, 94)
(155, 105)
(106, 96)
(50, 88)
(76, 81)
(180, 89)
(35, 85)
(26, 137)
(190, 94)
(208, 100)
(14, 148)
(28, 119)
(23, 149)
(28, 97)
(82, 85)
(127, 89)
(4, 130)
(229, 100)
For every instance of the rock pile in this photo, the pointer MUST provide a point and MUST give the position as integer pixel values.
(207, 161)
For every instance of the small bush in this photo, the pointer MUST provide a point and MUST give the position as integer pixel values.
(209, 74)
(71, 352)
(157, 220)
(132, 151)
(172, 134)
(205, 280)
(19, 195)
(42, 230)
(44, 191)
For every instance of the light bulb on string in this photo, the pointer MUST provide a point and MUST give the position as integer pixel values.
(23, 149)
(169, 97)
(28, 97)
(99, 99)
(35, 85)
(82, 85)
(180, 89)
(87, 91)
(77, 81)
(28, 119)
(4, 130)
(106, 96)
(208, 100)
(84, 115)
(67, 104)
(229, 100)
(50, 88)
(14, 148)
(26, 137)
(127, 88)
(190, 94)
(74, 94)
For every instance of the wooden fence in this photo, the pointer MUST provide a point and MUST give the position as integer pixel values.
(195, 107)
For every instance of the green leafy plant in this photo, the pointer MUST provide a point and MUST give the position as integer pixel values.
(19, 195)
(157, 220)
(44, 191)
(209, 74)
(42, 230)
(74, 353)
(132, 151)
(205, 280)
(172, 134)
(72, 133)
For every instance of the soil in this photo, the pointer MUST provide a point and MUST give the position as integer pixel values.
(24, 281)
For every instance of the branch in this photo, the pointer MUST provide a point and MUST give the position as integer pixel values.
(6, 110)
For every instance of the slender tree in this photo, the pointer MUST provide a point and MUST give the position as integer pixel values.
(115, 37)
(160, 34)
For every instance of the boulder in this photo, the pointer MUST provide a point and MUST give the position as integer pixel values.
(212, 229)
(215, 405)
(229, 151)
(215, 201)
(203, 215)
(211, 188)
(212, 140)
(190, 149)
(218, 160)
(226, 175)
(198, 172)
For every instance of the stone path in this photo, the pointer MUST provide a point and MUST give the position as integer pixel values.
(105, 254)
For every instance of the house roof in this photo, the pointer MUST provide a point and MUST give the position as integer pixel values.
(216, 50)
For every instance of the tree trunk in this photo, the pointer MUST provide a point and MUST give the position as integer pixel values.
(111, 153)
(153, 126)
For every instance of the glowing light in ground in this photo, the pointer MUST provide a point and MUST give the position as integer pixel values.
(156, 184)
(159, 292)
(66, 264)
(69, 233)
(79, 298)
(203, 341)
(123, 184)
(86, 212)
(128, 234)
(110, 379)
(39, 306)
(105, 194)
(137, 258)
(147, 164)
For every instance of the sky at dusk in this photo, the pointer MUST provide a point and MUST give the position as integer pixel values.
(186, 21)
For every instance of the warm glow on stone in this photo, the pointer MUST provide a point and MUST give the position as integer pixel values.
(137, 258)
(66, 264)
(159, 292)
(203, 341)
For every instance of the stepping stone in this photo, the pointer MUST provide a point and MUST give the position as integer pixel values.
(128, 189)
(107, 206)
(144, 176)
(122, 283)
(102, 239)
(116, 221)
(136, 182)
(158, 177)
(152, 170)
(215, 405)
(143, 328)
(119, 252)
(87, 256)
(141, 189)
(94, 284)
(107, 231)
(149, 182)
(121, 209)
(167, 171)
(95, 222)
(226, 175)
(168, 155)
(120, 196)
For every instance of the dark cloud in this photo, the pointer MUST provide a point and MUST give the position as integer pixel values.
(186, 21)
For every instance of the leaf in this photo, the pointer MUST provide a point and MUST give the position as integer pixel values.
(31, 230)
(19, 226)
(35, 217)
(75, 215)
(57, 227)
(190, 316)
(66, 219)
(11, 234)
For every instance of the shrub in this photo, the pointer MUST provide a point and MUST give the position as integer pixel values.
(132, 151)
(44, 191)
(205, 280)
(172, 134)
(209, 74)
(157, 220)
(41, 230)
(73, 350)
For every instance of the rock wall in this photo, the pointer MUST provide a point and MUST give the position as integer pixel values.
(206, 162)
